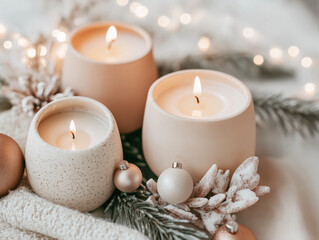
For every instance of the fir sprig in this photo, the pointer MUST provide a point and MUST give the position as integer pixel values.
(290, 114)
(133, 151)
(4, 103)
(131, 209)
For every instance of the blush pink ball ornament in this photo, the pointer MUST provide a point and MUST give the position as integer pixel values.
(234, 231)
(175, 185)
(128, 177)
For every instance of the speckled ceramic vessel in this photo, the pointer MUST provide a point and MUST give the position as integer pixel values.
(81, 179)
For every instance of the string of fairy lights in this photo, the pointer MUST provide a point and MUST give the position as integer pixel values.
(140, 11)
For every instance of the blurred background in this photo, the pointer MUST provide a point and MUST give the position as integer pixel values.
(283, 32)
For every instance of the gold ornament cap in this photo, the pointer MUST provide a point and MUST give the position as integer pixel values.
(177, 165)
(124, 165)
(231, 226)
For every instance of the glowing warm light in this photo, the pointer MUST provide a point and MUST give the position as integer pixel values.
(197, 89)
(141, 11)
(61, 51)
(31, 53)
(43, 62)
(23, 42)
(275, 53)
(310, 88)
(55, 32)
(293, 51)
(7, 44)
(248, 32)
(258, 60)
(163, 21)
(138, 9)
(306, 62)
(110, 36)
(203, 44)
(25, 60)
(16, 36)
(3, 30)
(122, 2)
(134, 6)
(61, 36)
(185, 18)
(43, 50)
(72, 129)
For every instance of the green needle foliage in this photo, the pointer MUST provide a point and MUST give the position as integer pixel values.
(4, 104)
(131, 209)
(290, 114)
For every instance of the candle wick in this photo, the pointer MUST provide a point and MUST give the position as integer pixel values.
(110, 45)
(73, 136)
(197, 99)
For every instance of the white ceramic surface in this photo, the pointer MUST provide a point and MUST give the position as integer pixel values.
(122, 85)
(80, 179)
(197, 143)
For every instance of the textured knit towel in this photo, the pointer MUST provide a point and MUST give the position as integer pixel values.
(24, 215)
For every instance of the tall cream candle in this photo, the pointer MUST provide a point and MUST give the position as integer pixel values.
(112, 63)
(126, 45)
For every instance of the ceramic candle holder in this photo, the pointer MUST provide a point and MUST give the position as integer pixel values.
(79, 179)
(197, 143)
(120, 85)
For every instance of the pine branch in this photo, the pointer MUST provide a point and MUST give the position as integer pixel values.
(290, 114)
(235, 63)
(4, 104)
(132, 210)
(132, 149)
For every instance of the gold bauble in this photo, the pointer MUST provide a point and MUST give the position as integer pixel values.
(128, 177)
(11, 164)
(234, 231)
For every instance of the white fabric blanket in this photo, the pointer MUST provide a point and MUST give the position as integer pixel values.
(24, 215)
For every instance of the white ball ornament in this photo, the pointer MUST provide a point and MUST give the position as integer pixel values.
(175, 185)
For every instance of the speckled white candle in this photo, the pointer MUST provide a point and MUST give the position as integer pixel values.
(90, 130)
(79, 178)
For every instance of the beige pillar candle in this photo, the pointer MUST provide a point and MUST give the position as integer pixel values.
(112, 63)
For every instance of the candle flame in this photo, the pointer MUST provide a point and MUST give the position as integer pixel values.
(197, 89)
(110, 36)
(72, 129)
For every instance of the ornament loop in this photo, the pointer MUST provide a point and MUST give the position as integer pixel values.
(124, 165)
(177, 165)
(232, 226)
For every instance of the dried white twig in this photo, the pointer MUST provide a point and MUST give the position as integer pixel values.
(216, 197)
